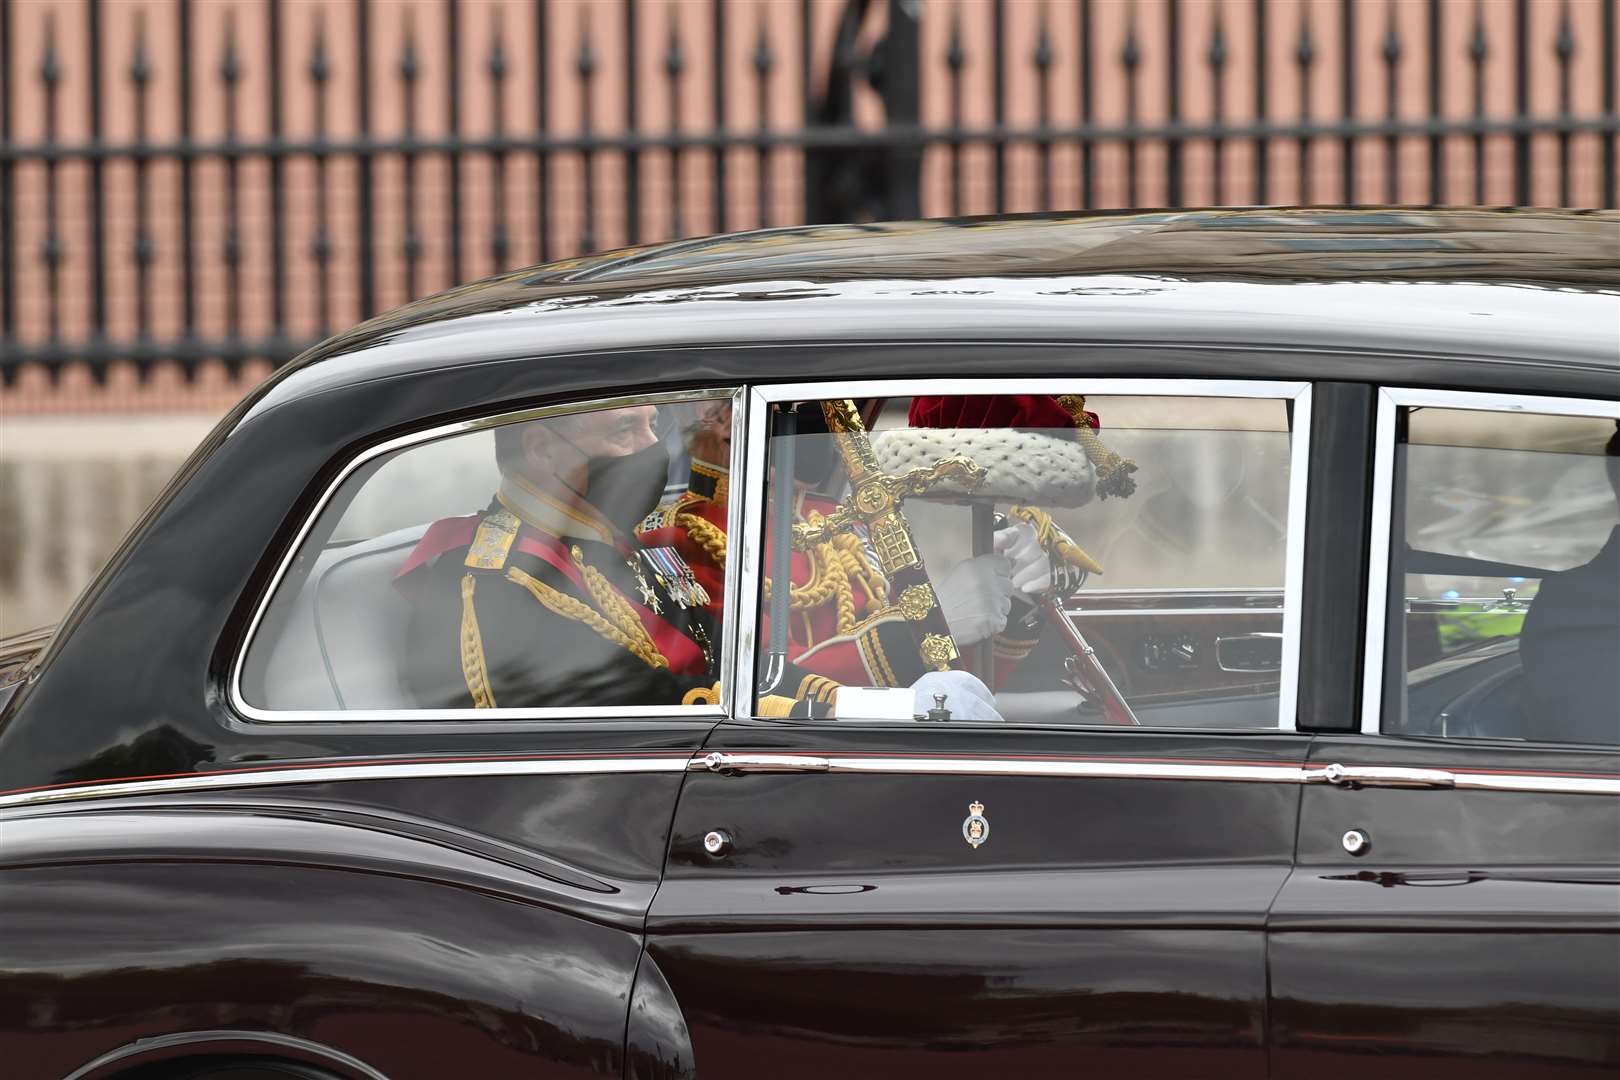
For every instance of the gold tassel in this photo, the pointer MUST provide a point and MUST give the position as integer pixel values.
(1113, 471)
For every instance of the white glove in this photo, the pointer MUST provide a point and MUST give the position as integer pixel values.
(976, 596)
(1031, 565)
(966, 697)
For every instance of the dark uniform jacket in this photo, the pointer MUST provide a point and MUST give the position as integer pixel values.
(537, 604)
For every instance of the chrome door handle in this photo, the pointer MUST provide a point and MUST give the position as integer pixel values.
(757, 763)
(1380, 776)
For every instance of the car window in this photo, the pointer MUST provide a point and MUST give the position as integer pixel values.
(1504, 576)
(1106, 559)
(523, 563)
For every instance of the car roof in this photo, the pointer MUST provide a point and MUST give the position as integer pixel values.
(1419, 279)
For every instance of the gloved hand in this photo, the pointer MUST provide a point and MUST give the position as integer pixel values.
(1031, 565)
(966, 697)
(976, 596)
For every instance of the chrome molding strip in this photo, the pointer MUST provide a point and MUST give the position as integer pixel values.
(747, 762)
(1391, 400)
(930, 765)
(1548, 785)
(361, 716)
(1350, 776)
(329, 774)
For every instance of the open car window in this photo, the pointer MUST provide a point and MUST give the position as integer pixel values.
(522, 565)
(1504, 574)
(1111, 559)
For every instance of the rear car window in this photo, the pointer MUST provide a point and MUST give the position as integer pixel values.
(509, 564)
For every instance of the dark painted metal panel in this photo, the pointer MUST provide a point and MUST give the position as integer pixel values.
(968, 1004)
(1479, 932)
(484, 926)
(658, 1045)
(1404, 1006)
(420, 981)
(1333, 597)
(1104, 924)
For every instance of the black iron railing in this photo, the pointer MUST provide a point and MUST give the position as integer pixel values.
(275, 238)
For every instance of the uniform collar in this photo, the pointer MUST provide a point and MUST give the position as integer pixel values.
(709, 480)
(550, 514)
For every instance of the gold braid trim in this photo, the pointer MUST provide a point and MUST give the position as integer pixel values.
(709, 536)
(612, 604)
(774, 705)
(834, 564)
(1054, 539)
(640, 644)
(859, 567)
(473, 668)
(876, 662)
(702, 695)
(1113, 471)
(837, 571)
(817, 688)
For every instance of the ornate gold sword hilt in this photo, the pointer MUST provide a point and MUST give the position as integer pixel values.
(875, 502)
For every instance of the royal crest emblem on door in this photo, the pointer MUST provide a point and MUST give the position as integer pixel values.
(976, 827)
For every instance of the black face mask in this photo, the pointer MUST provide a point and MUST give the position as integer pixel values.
(624, 488)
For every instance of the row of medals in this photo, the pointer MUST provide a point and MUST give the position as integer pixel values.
(679, 584)
(671, 572)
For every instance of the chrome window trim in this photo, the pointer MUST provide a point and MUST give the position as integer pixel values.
(745, 762)
(760, 398)
(728, 660)
(1391, 399)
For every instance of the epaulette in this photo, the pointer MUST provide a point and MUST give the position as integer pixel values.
(492, 543)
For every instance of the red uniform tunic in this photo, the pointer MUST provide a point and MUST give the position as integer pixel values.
(844, 626)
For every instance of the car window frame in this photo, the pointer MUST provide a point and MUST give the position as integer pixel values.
(1390, 401)
(736, 393)
(742, 638)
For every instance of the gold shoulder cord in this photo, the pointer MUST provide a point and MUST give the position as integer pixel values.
(834, 564)
(473, 668)
(625, 629)
(708, 535)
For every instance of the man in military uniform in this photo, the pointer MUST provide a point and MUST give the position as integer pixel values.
(547, 599)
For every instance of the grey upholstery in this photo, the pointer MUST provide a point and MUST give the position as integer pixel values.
(343, 643)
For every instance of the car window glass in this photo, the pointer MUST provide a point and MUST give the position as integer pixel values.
(1505, 577)
(527, 565)
(1107, 560)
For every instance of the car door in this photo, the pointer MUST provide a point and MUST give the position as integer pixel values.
(1039, 896)
(1457, 899)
